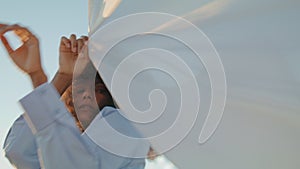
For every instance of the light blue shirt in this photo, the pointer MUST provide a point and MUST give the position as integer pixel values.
(20, 146)
(60, 144)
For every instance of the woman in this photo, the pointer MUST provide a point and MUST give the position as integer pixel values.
(27, 58)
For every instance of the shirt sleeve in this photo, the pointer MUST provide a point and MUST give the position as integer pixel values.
(59, 141)
(116, 134)
(20, 147)
(121, 141)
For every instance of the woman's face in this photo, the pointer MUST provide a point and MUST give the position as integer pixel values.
(89, 98)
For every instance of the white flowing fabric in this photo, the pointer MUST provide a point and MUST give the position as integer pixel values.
(258, 44)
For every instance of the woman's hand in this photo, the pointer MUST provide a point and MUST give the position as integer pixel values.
(27, 56)
(68, 53)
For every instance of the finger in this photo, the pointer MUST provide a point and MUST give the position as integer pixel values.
(85, 38)
(6, 45)
(84, 50)
(83, 55)
(73, 43)
(2, 25)
(21, 30)
(83, 60)
(6, 28)
(80, 44)
(65, 41)
(23, 33)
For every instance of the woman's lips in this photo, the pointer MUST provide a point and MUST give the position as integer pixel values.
(86, 107)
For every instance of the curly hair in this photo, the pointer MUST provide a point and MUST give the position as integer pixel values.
(68, 100)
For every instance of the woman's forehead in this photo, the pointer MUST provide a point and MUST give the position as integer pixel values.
(83, 81)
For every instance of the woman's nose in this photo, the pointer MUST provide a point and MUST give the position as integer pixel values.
(87, 94)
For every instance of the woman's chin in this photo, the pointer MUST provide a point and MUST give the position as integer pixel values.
(86, 118)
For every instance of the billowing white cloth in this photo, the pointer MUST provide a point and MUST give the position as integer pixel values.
(257, 43)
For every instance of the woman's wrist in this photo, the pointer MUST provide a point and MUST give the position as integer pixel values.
(38, 77)
(62, 81)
